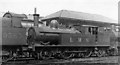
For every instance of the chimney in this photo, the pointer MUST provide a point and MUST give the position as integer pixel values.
(36, 18)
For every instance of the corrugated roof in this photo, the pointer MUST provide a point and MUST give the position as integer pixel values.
(78, 15)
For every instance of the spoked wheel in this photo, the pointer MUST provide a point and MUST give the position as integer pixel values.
(6, 55)
(113, 52)
(45, 54)
(101, 53)
(81, 54)
(84, 54)
(67, 55)
(87, 54)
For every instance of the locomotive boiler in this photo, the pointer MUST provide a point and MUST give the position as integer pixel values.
(46, 35)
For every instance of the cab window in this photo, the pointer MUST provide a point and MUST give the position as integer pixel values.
(93, 30)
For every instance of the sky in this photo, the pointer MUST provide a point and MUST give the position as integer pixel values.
(108, 8)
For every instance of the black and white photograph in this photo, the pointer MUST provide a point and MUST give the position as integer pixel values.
(60, 32)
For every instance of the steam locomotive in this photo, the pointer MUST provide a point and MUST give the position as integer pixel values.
(55, 39)
(68, 40)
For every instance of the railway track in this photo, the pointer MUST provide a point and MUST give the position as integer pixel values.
(93, 60)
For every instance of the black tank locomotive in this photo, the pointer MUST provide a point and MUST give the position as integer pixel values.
(52, 41)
